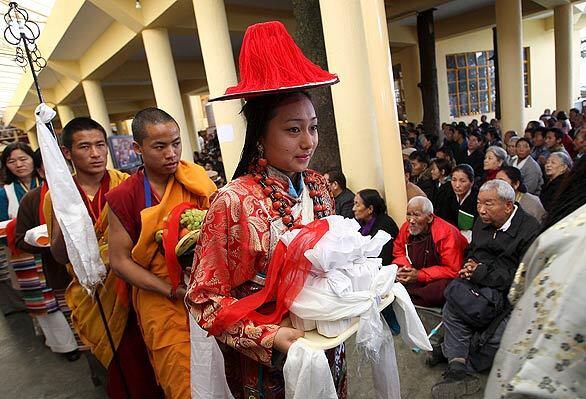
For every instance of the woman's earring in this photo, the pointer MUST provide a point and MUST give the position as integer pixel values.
(261, 162)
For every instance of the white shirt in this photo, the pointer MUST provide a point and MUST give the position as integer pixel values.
(507, 224)
(519, 164)
(463, 198)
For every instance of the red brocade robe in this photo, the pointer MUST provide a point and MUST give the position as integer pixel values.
(234, 248)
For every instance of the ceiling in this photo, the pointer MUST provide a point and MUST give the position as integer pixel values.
(450, 9)
(266, 4)
(82, 35)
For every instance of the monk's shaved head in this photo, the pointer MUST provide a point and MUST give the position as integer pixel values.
(148, 116)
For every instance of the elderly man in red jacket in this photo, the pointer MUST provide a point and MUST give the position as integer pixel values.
(429, 252)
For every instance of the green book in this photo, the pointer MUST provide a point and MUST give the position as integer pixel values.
(465, 220)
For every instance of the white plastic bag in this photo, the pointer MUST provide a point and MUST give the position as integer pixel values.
(208, 377)
(307, 374)
(70, 211)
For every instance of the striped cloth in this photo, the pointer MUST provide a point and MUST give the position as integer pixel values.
(37, 296)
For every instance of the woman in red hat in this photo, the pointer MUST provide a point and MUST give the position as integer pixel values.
(272, 191)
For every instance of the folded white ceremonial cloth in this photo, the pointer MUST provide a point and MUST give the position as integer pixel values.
(346, 281)
(36, 236)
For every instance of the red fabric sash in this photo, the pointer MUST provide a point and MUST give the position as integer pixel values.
(170, 240)
(11, 237)
(44, 190)
(286, 276)
(96, 206)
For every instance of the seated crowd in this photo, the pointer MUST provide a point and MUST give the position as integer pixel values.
(476, 202)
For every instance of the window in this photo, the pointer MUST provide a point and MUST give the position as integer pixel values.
(471, 82)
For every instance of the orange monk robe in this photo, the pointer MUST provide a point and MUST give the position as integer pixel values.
(164, 323)
(85, 314)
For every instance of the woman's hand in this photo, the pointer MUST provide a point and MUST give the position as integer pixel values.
(285, 337)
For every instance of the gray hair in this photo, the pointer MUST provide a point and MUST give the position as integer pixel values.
(513, 140)
(565, 158)
(503, 189)
(426, 205)
(498, 152)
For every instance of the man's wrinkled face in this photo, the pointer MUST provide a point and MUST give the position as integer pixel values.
(418, 220)
(492, 209)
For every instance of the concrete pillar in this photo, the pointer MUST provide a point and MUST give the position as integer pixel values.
(193, 103)
(199, 117)
(510, 56)
(32, 139)
(94, 97)
(383, 90)
(564, 60)
(65, 114)
(353, 97)
(121, 128)
(218, 60)
(164, 79)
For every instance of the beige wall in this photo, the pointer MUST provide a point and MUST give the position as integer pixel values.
(542, 53)
(536, 36)
(408, 58)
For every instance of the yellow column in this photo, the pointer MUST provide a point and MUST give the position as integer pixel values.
(510, 56)
(65, 114)
(218, 60)
(194, 104)
(564, 60)
(353, 97)
(164, 79)
(32, 140)
(121, 127)
(94, 97)
(382, 82)
(199, 117)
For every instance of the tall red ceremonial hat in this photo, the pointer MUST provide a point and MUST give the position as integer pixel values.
(271, 62)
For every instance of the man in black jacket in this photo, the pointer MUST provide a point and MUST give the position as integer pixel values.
(343, 196)
(421, 172)
(475, 155)
(499, 240)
